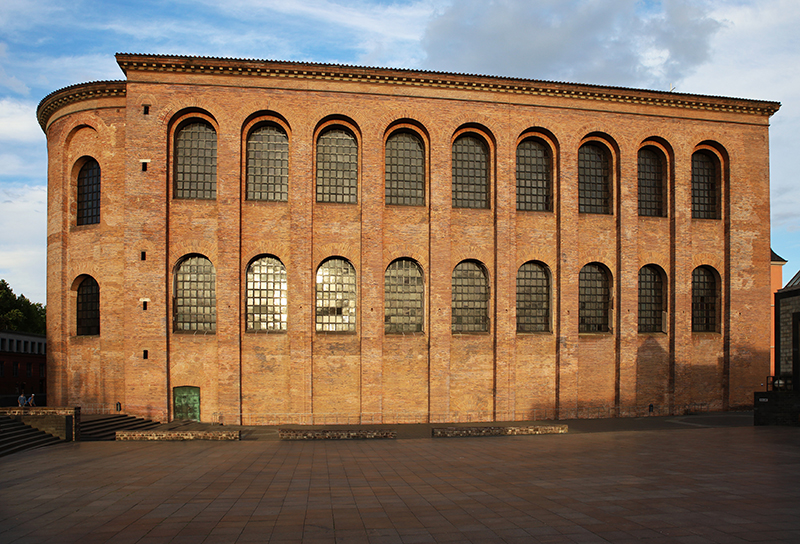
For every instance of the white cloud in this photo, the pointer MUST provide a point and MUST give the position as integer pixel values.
(18, 121)
(23, 253)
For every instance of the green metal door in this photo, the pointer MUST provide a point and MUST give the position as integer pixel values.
(186, 402)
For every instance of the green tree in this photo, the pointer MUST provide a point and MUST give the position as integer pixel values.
(17, 313)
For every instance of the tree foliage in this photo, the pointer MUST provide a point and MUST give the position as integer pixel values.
(17, 313)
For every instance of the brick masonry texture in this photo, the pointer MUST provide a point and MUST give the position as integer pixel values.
(369, 377)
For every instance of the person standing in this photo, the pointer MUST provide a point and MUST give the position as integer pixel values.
(21, 400)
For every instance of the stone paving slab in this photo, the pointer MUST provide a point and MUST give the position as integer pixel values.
(706, 482)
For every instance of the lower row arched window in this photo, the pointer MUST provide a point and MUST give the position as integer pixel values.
(336, 296)
(651, 299)
(594, 298)
(266, 296)
(705, 299)
(195, 306)
(533, 298)
(404, 298)
(88, 307)
(470, 298)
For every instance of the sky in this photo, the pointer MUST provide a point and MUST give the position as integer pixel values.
(738, 48)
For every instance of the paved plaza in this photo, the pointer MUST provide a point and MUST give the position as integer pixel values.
(693, 480)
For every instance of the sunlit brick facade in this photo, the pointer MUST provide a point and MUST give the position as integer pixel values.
(303, 243)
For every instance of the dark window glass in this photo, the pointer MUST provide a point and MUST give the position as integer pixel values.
(196, 161)
(88, 306)
(594, 180)
(29, 370)
(534, 192)
(195, 296)
(42, 370)
(89, 193)
(594, 297)
(470, 173)
(266, 295)
(405, 170)
(470, 307)
(404, 297)
(2, 369)
(336, 296)
(705, 187)
(337, 167)
(533, 298)
(15, 369)
(704, 300)
(268, 164)
(651, 183)
(651, 299)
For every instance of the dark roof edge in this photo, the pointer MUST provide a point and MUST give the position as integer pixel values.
(775, 258)
(76, 93)
(132, 61)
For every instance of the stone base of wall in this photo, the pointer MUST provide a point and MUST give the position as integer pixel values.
(457, 432)
(328, 434)
(178, 435)
(62, 422)
(776, 408)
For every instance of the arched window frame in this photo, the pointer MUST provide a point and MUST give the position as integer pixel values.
(275, 188)
(194, 306)
(595, 302)
(534, 295)
(206, 192)
(707, 194)
(653, 184)
(87, 307)
(404, 297)
(706, 299)
(471, 193)
(394, 188)
(471, 298)
(336, 298)
(652, 314)
(532, 197)
(266, 295)
(596, 197)
(88, 191)
(327, 189)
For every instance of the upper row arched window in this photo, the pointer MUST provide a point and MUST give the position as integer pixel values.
(652, 182)
(405, 170)
(337, 166)
(706, 193)
(196, 161)
(594, 179)
(534, 177)
(268, 164)
(470, 172)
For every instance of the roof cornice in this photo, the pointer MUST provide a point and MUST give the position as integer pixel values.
(77, 93)
(421, 78)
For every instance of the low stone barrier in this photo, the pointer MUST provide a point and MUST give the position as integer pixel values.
(178, 435)
(457, 432)
(63, 422)
(330, 434)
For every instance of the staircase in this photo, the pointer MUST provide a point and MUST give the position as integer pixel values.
(16, 436)
(104, 427)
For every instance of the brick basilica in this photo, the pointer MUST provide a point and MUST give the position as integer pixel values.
(261, 242)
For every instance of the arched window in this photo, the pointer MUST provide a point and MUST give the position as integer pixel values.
(705, 186)
(404, 297)
(652, 195)
(594, 179)
(533, 298)
(337, 167)
(195, 308)
(705, 299)
(470, 291)
(196, 161)
(405, 170)
(534, 186)
(88, 307)
(336, 296)
(651, 299)
(470, 173)
(266, 306)
(268, 164)
(89, 193)
(594, 297)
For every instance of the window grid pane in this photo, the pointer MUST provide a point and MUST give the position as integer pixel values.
(651, 184)
(88, 315)
(705, 192)
(533, 177)
(704, 300)
(196, 162)
(266, 296)
(470, 173)
(594, 297)
(533, 298)
(336, 297)
(404, 298)
(337, 167)
(89, 193)
(405, 170)
(651, 300)
(470, 305)
(195, 296)
(268, 164)
(594, 185)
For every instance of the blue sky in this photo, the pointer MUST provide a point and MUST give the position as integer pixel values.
(739, 48)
